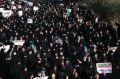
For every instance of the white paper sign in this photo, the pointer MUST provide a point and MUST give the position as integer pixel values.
(29, 20)
(30, 3)
(35, 8)
(1, 9)
(12, 2)
(81, 20)
(14, 7)
(6, 13)
(112, 48)
(61, 4)
(20, 13)
(96, 20)
(18, 42)
(5, 47)
(19, 6)
(104, 67)
(46, 77)
(69, 10)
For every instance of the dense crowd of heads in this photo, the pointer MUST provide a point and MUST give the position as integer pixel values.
(57, 45)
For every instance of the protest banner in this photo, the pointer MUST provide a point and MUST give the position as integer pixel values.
(6, 13)
(19, 6)
(18, 42)
(104, 67)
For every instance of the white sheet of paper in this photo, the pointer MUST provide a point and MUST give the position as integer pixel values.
(20, 13)
(96, 20)
(46, 77)
(1, 9)
(81, 20)
(7, 47)
(112, 48)
(30, 3)
(19, 42)
(69, 10)
(14, 7)
(13, 2)
(30, 20)
(7, 13)
(61, 4)
(36, 78)
(35, 8)
(19, 6)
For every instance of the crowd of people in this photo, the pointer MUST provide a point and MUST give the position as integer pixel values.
(58, 44)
